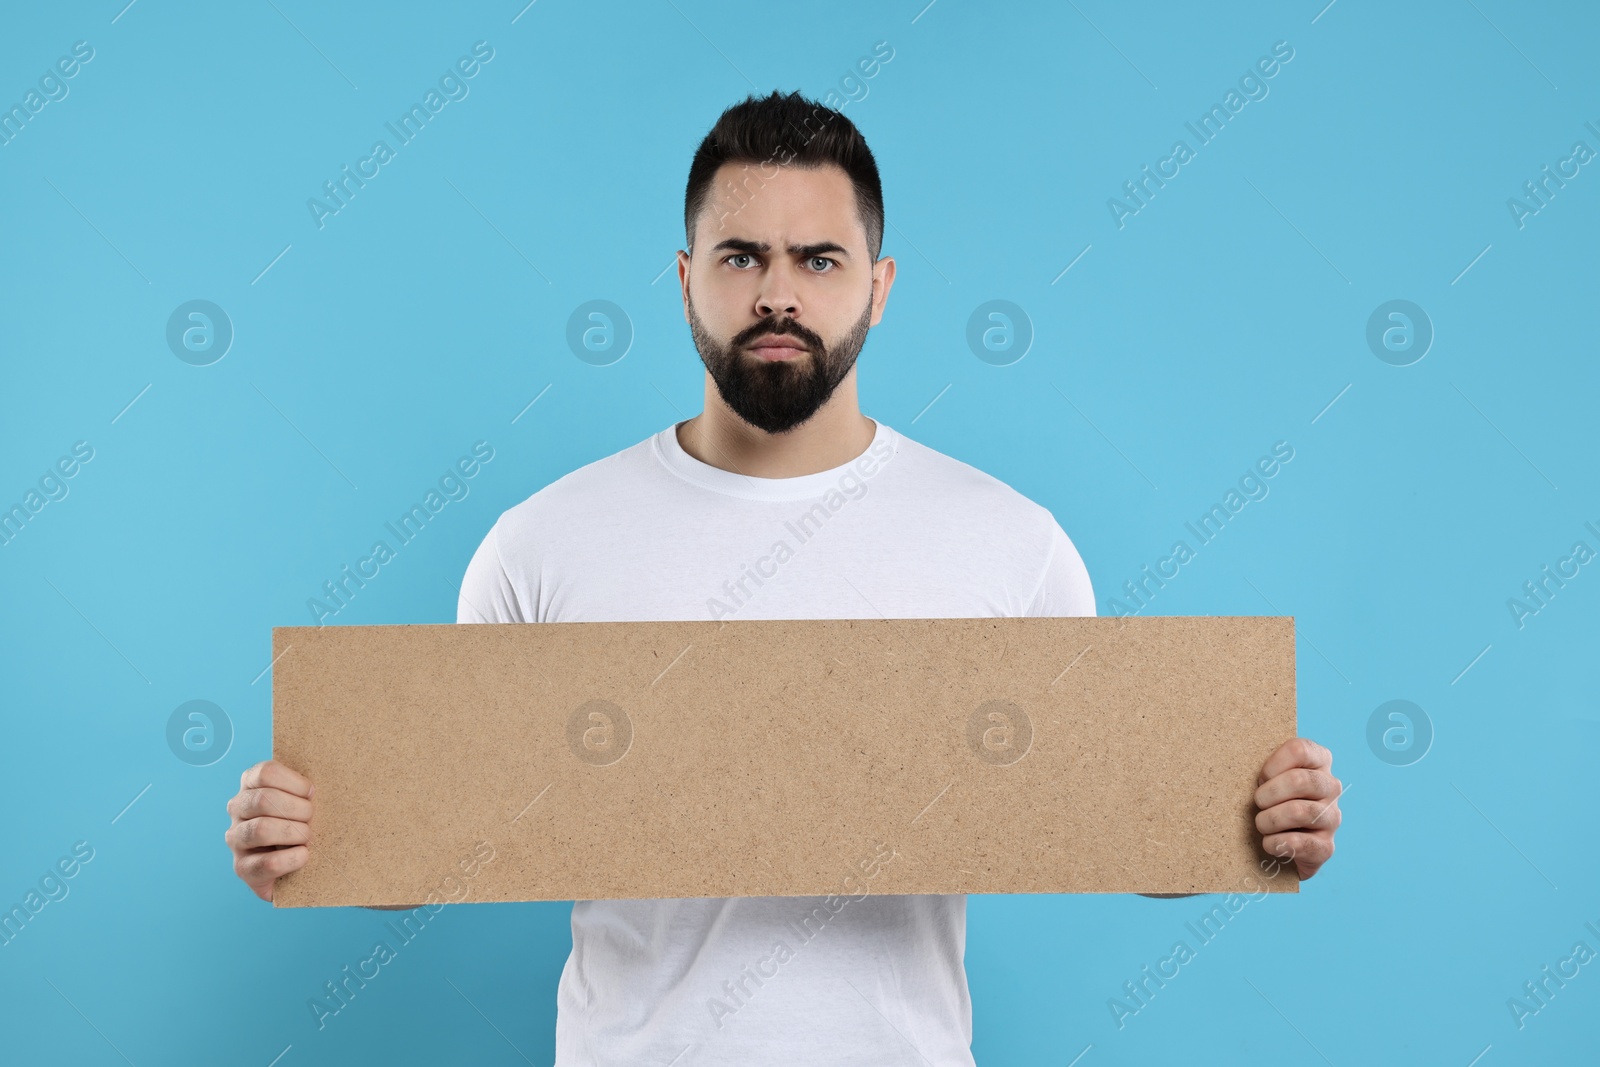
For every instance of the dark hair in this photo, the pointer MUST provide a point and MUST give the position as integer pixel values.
(786, 130)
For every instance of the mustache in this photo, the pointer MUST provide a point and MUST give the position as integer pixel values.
(776, 328)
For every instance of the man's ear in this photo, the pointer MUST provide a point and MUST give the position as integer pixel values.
(685, 264)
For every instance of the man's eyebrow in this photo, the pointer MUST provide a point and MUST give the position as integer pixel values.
(739, 244)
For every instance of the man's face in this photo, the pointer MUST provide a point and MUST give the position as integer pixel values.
(780, 259)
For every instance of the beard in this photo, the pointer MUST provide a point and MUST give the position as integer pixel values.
(777, 395)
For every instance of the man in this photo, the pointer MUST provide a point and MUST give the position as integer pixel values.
(780, 500)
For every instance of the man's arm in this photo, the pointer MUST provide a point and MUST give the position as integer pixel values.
(1297, 808)
(1296, 793)
(1066, 590)
(486, 596)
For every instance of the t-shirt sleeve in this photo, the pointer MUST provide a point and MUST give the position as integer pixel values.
(1064, 589)
(487, 594)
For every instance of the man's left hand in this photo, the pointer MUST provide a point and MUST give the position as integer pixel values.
(1298, 798)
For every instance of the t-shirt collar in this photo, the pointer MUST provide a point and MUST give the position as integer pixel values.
(670, 452)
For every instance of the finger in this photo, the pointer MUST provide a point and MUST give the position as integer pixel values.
(266, 833)
(1309, 851)
(277, 776)
(261, 868)
(1296, 752)
(1298, 783)
(1311, 815)
(253, 803)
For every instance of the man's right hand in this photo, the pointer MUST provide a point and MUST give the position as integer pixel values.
(271, 827)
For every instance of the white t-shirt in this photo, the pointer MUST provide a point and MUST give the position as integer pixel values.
(651, 533)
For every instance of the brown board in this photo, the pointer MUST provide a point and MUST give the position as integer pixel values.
(600, 760)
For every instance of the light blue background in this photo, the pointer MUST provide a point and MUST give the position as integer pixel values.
(1228, 314)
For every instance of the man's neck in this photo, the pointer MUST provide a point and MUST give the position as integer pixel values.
(834, 436)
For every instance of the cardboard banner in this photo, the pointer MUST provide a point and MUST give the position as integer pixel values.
(578, 761)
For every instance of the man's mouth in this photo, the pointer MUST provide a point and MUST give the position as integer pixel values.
(776, 348)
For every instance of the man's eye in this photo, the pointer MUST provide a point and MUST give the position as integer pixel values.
(830, 265)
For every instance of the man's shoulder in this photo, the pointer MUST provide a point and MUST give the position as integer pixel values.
(610, 478)
(1012, 538)
(953, 481)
